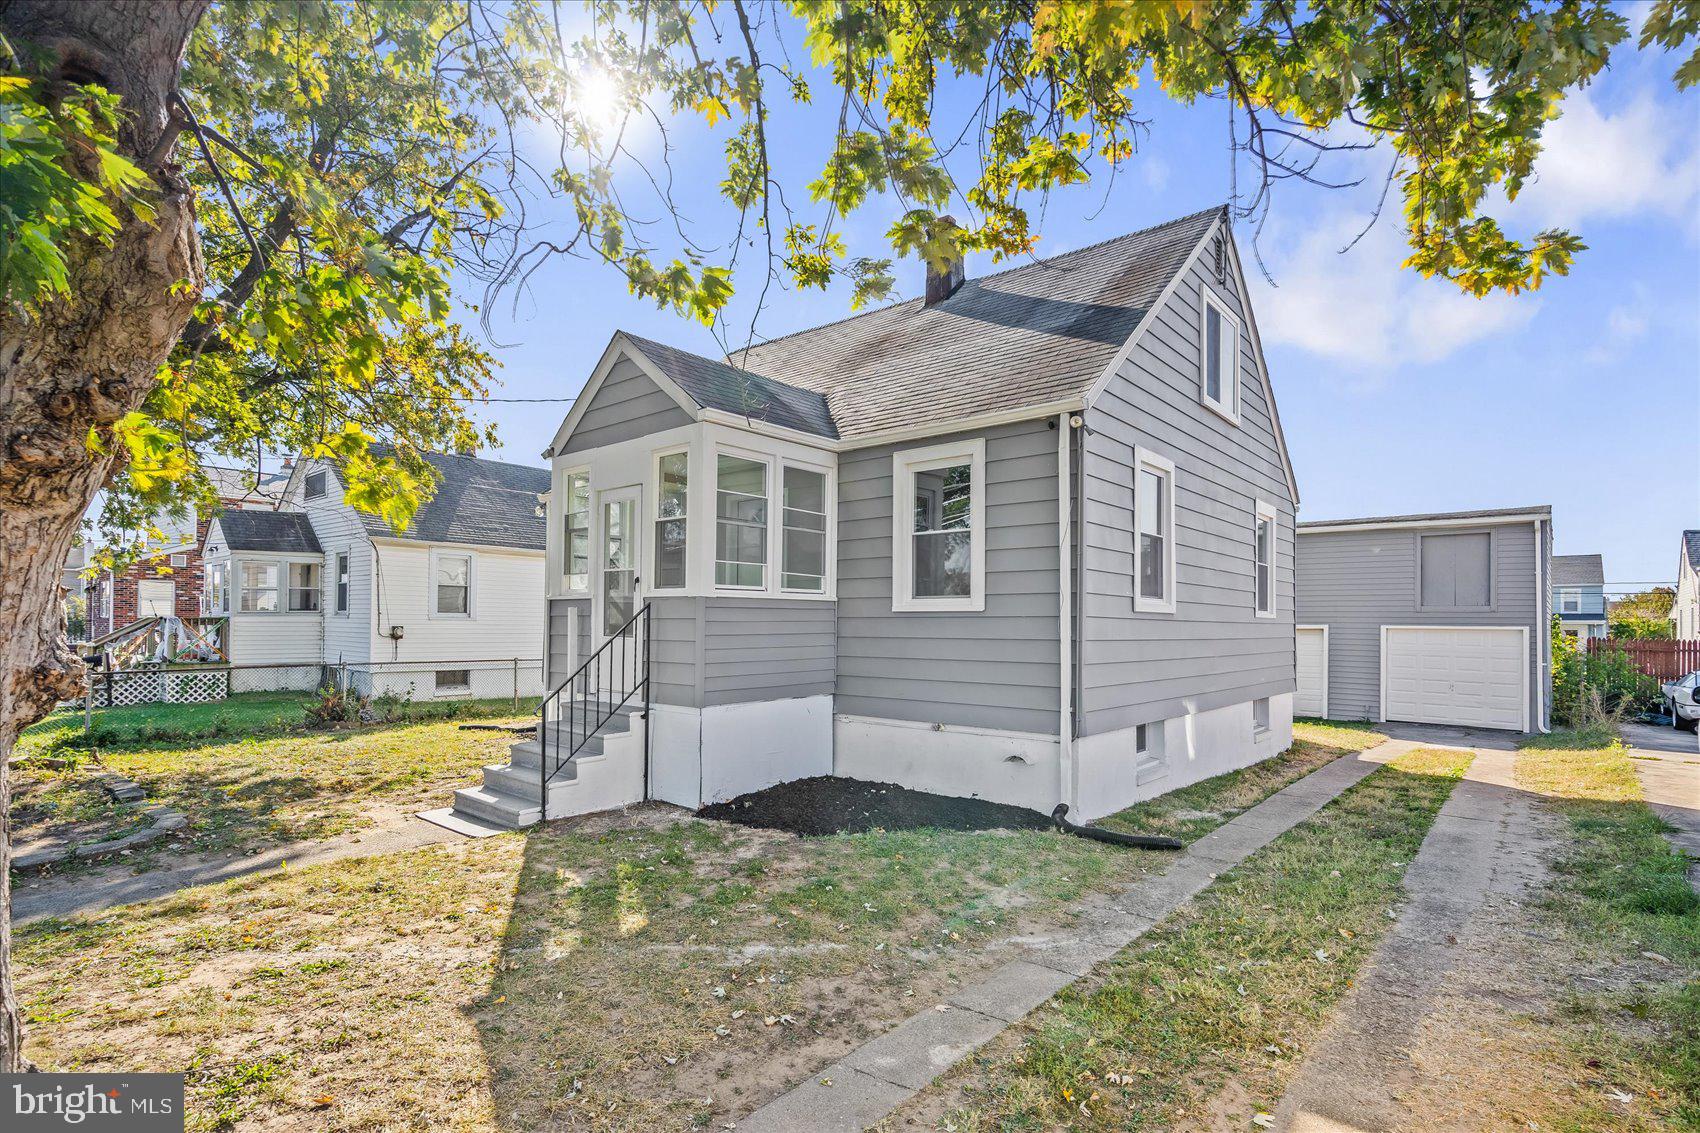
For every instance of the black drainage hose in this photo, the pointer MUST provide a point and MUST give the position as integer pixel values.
(1113, 837)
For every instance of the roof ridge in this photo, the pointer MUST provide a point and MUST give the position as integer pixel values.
(427, 453)
(990, 275)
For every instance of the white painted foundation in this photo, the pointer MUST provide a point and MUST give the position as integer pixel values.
(612, 778)
(709, 755)
(1194, 747)
(1019, 768)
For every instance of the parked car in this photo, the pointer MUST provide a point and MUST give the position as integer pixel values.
(1682, 697)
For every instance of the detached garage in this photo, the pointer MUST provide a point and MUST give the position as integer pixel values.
(1433, 619)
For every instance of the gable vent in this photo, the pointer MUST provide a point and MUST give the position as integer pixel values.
(1220, 255)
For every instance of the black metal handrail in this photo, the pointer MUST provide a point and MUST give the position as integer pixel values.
(578, 708)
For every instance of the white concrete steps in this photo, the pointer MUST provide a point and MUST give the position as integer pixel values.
(512, 793)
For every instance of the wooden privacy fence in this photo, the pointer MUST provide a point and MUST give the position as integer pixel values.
(1666, 660)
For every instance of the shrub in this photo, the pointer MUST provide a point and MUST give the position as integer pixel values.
(338, 706)
(1596, 688)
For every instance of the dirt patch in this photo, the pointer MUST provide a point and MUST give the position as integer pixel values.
(826, 804)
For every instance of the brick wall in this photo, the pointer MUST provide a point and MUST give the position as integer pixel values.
(188, 580)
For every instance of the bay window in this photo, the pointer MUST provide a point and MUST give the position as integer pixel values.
(740, 528)
(802, 561)
(259, 588)
(938, 528)
(672, 472)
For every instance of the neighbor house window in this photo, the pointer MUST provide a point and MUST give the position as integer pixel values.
(259, 588)
(1263, 542)
(454, 680)
(316, 484)
(740, 523)
(1570, 601)
(1219, 352)
(575, 544)
(802, 562)
(938, 528)
(1153, 532)
(671, 505)
(303, 586)
(452, 585)
(342, 582)
(1456, 571)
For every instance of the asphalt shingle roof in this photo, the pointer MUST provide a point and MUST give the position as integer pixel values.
(486, 502)
(287, 531)
(717, 385)
(1691, 548)
(1034, 334)
(1578, 570)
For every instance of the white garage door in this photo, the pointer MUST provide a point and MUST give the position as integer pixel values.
(1312, 696)
(1471, 676)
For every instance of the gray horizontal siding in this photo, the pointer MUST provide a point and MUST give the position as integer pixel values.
(560, 653)
(626, 406)
(675, 656)
(1213, 651)
(1355, 582)
(767, 649)
(996, 668)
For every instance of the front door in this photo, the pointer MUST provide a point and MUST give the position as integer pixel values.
(617, 581)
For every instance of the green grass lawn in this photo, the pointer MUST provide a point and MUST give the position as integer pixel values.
(1229, 988)
(574, 975)
(1621, 902)
(266, 779)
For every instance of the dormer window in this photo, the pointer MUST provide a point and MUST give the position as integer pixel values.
(1219, 356)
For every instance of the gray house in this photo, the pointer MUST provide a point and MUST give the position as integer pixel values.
(1579, 596)
(1438, 619)
(1029, 538)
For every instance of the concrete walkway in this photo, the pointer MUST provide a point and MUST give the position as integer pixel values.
(881, 1074)
(1670, 778)
(1479, 858)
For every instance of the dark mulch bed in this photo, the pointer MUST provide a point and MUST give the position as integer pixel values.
(826, 804)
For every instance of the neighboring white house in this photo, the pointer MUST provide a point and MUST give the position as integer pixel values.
(1028, 538)
(1685, 611)
(447, 608)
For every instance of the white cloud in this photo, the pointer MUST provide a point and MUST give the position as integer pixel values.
(1153, 171)
(1363, 312)
(1593, 164)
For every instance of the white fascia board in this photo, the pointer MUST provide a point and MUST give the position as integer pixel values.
(1407, 524)
(1262, 367)
(618, 347)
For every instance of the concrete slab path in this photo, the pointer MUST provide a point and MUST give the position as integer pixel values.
(1480, 858)
(1671, 782)
(874, 1079)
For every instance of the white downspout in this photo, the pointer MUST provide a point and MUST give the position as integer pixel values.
(1067, 784)
(1543, 635)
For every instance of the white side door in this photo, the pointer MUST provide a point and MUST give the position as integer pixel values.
(1475, 676)
(1311, 699)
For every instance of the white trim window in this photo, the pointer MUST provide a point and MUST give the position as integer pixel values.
(740, 522)
(1218, 356)
(575, 532)
(672, 505)
(1153, 533)
(342, 582)
(802, 551)
(317, 484)
(1570, 601)
(259, 588)
(218, 588)
(303, 588)
(938, 528)
(1263, 559)
(451, 585)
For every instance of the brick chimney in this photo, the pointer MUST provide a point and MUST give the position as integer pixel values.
(944, 279)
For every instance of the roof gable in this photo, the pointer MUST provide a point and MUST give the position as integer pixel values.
(719, 385)
(1691, 549)
(1578, 570)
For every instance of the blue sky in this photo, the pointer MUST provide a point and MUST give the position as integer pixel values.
(1398, 394)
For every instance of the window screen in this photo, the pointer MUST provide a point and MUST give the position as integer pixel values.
(1456, 570)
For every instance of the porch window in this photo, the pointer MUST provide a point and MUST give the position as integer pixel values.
(1264, 555)
(1154, 533)
(303, 586)
(453, 589)
(575, 545)
(938, 528)
(218, 588)
(259, 588)
(803, 550)
(342, 582)
(672, 471)
(740, 536)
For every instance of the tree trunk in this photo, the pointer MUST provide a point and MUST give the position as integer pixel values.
(80, 363)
